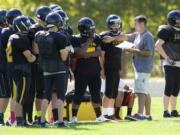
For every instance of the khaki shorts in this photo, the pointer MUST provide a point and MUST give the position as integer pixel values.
(141, 83)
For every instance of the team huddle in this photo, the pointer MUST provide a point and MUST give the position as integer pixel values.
(39, 57)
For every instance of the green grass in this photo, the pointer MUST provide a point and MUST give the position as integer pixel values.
(158, 126)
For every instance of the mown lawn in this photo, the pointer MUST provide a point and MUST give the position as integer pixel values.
(158, 126)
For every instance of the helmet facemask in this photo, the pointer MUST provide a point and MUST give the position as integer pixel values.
(115, 25)
(89, 32)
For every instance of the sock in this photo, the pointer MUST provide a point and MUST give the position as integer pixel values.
(12, 117)
(105, 111)
(30, 112)
(55, 114)
(110, 111)
(74, 112)
(129, 111)
(38, 113)
(117, 109)
(97, 111)
(24, 111)
(1, 116)
(140, 114)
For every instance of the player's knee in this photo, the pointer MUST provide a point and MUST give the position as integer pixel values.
(96, 99)
(167, 92)
(175, 93)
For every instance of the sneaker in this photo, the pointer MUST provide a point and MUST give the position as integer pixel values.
(149, 117)
(36, 120)
(175, 114)
(74, 120)
(136, 117)
(117, 117)
(112, 117)
(42, 125)
(127, 117)
(102, 119)
(166, 114)
(2, 123)
(8, 123)
(62, 125)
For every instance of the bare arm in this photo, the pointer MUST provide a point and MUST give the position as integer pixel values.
(109, 39)
(35, 48)
(159, 48)
(29, 56)
(102, 64)
(63, 54)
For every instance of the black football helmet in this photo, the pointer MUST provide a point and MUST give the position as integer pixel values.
(54, 19)
(32, 21)
(64, 16)
(3, 22)
(12, 14)
(172, 18)
(55, 7)
(114, 23)
(86, 27)
(42, 12)
(21, 24)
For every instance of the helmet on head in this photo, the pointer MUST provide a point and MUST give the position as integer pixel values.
(42, 12)
(114, 23)
(64, 16)
(12, 14)
(86, 27)
(54, 19)
(32, 21)
(172, 18)
(3, 22)
(55, 7)
(21, 24)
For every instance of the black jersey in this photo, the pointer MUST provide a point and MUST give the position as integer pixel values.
(112, 53)
(171, 37)
(49, 44)
(5, 34)
(87, 65)
(17, 44)
(68, 32)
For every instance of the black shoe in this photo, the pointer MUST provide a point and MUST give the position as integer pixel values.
(127, 117)
(23, 124)
(175, 114)
(42, 125)
(36, 120)
(117, 117)
(8, 123)
(2, 123)
(166, 114)
(62, 125)
(112, 117)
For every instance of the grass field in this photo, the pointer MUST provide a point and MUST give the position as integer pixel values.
(158, 126)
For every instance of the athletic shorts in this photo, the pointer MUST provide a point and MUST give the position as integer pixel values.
(112, 83)
(37, 83)
(22, 84)
(141, 83)
(172, 80)
(57, 81)
(82, 81)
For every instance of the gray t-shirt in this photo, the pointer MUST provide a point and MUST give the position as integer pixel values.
(145, 42)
